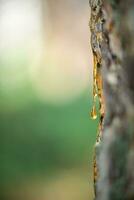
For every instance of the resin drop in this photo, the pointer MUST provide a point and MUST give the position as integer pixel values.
(93, 113)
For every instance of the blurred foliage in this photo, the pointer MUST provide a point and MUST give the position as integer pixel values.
(41, 137)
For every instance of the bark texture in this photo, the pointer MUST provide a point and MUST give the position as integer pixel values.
(112, 38)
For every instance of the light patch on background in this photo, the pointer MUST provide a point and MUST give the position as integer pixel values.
(20, 34)
(20, 22)
(64, 76)
(56, 63)
(66, 69)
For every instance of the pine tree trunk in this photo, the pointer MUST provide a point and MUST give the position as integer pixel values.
(112, 38)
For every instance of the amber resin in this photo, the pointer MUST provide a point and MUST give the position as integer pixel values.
(97, 89)
(97, 96)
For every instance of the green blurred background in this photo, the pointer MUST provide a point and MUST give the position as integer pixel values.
(46, 133)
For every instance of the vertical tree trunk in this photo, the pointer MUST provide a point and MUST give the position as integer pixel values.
(112, 38)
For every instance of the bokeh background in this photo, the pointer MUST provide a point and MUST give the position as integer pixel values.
(46, 134)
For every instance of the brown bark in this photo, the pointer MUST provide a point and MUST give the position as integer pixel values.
(114, 21)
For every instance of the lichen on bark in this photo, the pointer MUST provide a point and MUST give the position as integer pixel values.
(114, 21)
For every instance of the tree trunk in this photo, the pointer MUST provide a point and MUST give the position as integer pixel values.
(112, 39)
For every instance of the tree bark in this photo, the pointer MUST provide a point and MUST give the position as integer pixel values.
(112, 38)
